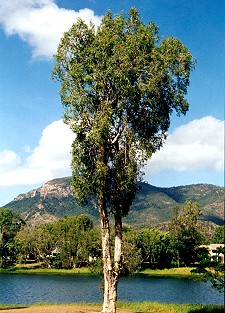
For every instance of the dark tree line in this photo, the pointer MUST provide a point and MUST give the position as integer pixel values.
(74, 242)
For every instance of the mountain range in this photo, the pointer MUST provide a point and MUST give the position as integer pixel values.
(152, 206)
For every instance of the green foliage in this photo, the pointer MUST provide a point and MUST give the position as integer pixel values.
(71, 239)
(132, 258)
(218, 236)
(10, 224)
(25, 244)
(212, 269)
(186, 232)
(77, 243)
(156, 248)
(119, 86)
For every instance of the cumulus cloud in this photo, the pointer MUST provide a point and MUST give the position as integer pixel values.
(198, 145)
(50, 159)
(40, 23)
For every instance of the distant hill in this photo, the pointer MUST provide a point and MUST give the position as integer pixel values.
(152, 206)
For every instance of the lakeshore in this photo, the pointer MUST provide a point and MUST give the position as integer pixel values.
(181, 272)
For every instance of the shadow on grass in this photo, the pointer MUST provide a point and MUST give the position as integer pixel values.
(212, 309)
(6, 307)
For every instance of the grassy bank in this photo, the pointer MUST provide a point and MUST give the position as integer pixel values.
(144, 307)
(172, 272)
(38, 270)
(123, 307)
(181, 272)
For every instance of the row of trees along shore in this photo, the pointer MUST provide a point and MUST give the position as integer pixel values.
(74, 242)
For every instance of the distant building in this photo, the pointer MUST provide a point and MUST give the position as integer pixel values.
(213, 251)
(54, 253)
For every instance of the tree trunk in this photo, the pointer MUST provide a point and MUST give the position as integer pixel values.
(178, 259)
(106, 251)
(117, 264)
(111, 273)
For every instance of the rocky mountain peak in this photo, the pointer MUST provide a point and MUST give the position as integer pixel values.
(54, 190)
(153, 205)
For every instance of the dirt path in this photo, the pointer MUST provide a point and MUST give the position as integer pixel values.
(60, 309)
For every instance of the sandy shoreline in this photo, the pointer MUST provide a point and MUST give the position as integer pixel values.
(60, 309)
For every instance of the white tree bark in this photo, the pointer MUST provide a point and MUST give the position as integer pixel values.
(110, 271)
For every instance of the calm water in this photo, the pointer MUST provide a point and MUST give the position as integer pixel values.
(28, 289)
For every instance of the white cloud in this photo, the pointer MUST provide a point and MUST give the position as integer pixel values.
(50, 159)
(198, 145)
(8, 160)
(40, 23)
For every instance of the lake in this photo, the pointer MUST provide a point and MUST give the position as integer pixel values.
(28, 289)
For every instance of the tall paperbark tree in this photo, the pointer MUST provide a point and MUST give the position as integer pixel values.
(119, 87)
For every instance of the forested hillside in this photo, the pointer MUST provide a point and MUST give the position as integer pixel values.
(152, 206)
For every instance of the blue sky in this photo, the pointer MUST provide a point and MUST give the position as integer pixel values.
(35, 144)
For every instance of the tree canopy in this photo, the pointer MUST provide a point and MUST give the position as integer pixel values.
(10, 224)
(219, 234)
(119, 86)
(186, 232)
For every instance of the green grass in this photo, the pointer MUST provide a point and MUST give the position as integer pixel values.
(181, 272)
(147, 307)
(172, 272)
(155, 307)
(34, 270)
(11, 306)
